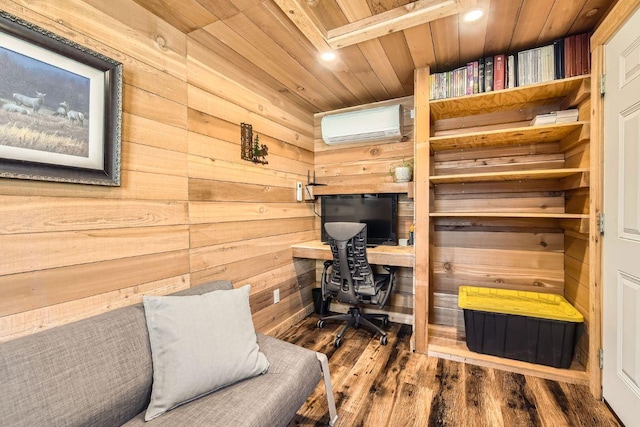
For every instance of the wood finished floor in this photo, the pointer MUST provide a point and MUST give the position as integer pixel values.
(388, 385)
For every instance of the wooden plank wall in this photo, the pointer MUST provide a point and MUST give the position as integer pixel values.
(188, 209)
(366, 165)
(244, 217)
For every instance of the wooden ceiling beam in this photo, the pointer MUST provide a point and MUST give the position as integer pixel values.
(391, 21)
(394, 20)
(302, 19)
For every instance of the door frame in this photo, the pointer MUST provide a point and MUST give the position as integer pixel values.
(609, 26)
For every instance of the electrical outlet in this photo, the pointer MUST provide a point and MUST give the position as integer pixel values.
(276, 296)
(298, 191)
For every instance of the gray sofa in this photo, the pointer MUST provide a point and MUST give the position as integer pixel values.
(98, 372)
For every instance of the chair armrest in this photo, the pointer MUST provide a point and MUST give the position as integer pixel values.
(327, 264)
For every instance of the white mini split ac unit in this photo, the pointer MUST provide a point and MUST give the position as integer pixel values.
(372, 124)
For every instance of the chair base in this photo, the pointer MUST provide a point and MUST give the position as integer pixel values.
(355, 318)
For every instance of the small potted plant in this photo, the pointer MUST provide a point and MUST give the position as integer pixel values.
(403, 171)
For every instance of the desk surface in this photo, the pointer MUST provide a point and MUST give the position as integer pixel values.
(401, 256)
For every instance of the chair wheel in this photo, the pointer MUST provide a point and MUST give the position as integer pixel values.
(385, 322)
(320, 324)
(383, 340)
(338, 342)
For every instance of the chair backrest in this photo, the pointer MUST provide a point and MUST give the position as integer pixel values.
(351, 270)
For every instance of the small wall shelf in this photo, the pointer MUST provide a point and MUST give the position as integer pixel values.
(387, 187)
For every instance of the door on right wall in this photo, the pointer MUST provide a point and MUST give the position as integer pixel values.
(621, 240)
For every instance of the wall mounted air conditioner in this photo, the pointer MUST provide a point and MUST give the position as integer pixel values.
(372, 124)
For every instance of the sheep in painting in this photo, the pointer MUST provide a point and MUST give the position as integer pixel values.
(75, 115)
(13, 108)
(34, 103)
(62, 109)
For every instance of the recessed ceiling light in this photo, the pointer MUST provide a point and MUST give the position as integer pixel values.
(328, 55)
(473, 15)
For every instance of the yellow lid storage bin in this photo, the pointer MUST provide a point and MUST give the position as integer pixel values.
(529, 326)
(520, 303)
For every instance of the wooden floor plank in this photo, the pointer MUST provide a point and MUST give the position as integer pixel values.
(391, 386)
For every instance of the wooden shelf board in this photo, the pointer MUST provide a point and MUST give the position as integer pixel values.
(508, 176)
(509, 215)
(507, 99)
(385, 187)
(442, 343)
(503, 137)
(401, 256)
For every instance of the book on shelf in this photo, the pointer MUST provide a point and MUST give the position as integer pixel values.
(511, 72)
(498, 72)
(555, 117)
(568, 53)
(567, 116)
(558, 55)
(544, 119)
(476, 86)
(586, 53)
(577, 56)
(488, 74)
(481, 75)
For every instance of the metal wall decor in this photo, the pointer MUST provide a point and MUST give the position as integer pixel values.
(250, 147)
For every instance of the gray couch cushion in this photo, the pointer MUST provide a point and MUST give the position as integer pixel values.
(93, 372)
(269, 400)
(200, 343)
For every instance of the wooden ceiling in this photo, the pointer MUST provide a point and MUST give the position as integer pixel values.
(261, 38)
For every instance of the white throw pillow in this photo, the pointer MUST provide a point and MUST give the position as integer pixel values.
(199, 344)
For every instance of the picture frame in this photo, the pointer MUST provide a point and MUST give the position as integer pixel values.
(60, 108)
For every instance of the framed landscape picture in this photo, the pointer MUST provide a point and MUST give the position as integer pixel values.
(60, 108)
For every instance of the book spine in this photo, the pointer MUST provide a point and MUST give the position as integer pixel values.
(558, 59)
(481, 75)
(551, 63)
(567, 59)
(511, 71)
(488, 74)
(498, 72)
(520, 65)
(586, 63)
(536, 64)
(469, 90)
(589, 52)
(578, 55)
(475, 77)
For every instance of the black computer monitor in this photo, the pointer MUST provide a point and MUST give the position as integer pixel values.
(378, 211)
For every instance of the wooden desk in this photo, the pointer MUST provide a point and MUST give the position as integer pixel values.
(401, 256)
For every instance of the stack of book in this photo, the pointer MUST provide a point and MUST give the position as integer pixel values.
(556, 117)
(567, 57)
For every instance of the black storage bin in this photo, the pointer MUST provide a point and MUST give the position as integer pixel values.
(494, 325)
(547, 342)
(321, 307)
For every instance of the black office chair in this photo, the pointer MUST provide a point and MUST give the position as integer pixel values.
(350, 279)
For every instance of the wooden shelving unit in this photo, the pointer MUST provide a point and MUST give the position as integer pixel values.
(488, 184)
